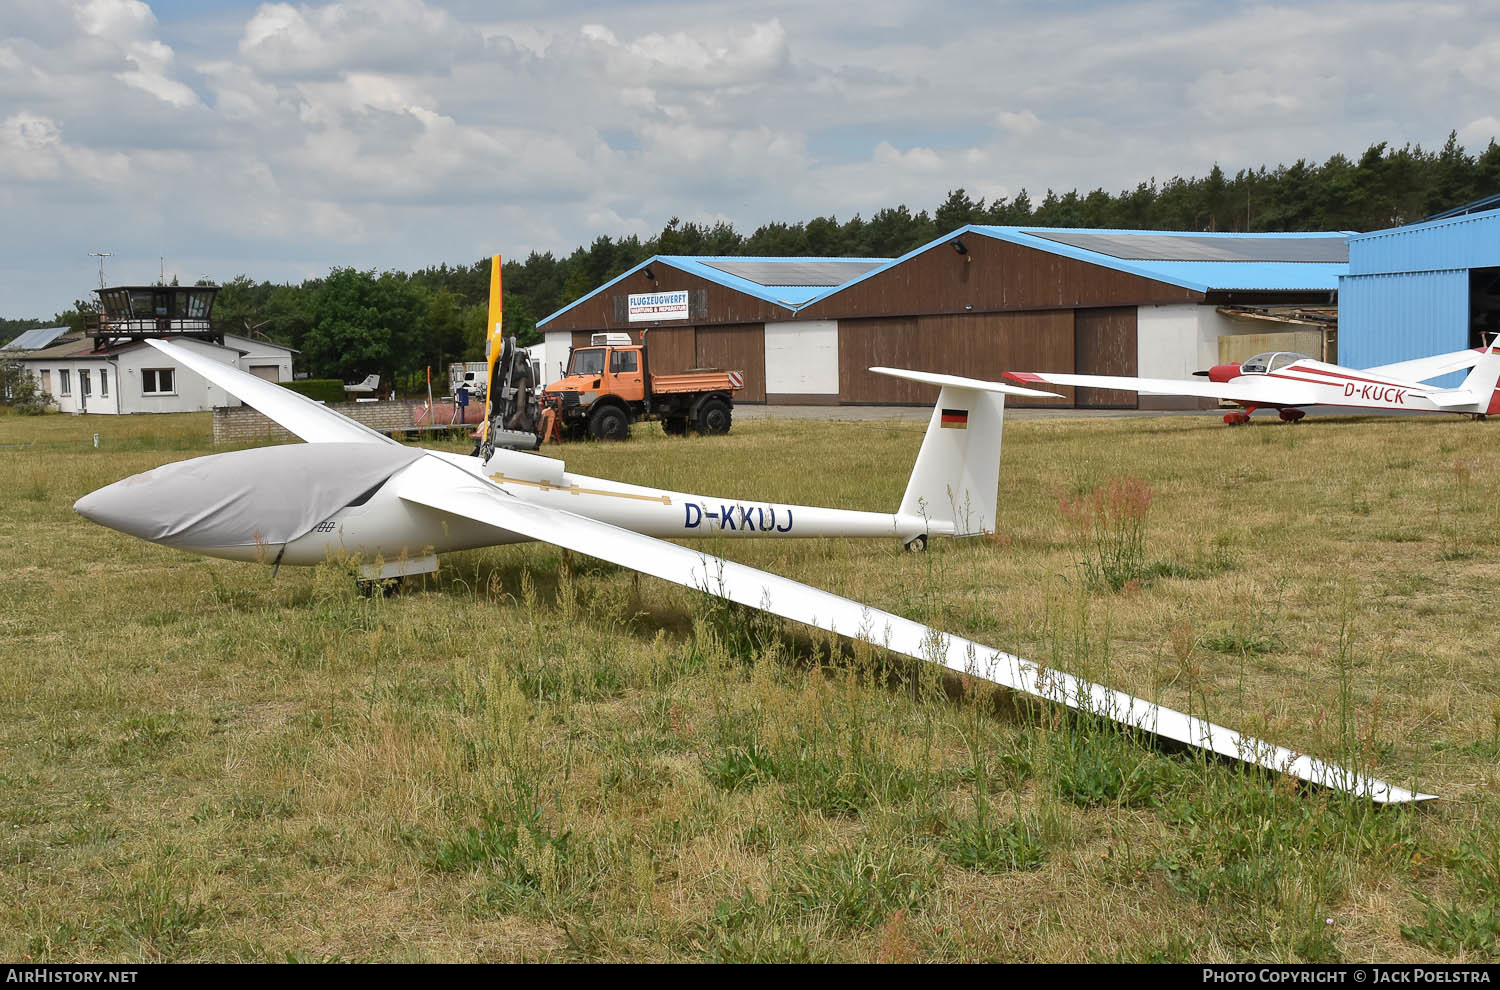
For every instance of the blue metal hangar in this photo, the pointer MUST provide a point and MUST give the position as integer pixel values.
(1424, 289)
(979, 301)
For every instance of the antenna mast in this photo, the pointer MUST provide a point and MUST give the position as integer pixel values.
(101, 255)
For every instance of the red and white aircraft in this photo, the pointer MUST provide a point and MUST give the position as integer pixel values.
(1286, 381)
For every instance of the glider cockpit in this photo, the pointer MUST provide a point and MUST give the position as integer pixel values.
(1264, 364)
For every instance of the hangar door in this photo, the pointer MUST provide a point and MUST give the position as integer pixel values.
(737, 347)
(1104, 343)
(974, 345)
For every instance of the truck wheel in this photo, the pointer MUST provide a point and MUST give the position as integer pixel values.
(674, 426)
(714, 416)
(609, 423)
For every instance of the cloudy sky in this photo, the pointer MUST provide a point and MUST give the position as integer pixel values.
(279, 139)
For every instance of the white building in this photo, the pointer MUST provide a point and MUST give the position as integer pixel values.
(132, 377)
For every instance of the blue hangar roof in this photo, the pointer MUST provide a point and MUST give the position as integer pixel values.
(1202, 262)
(1466, 241)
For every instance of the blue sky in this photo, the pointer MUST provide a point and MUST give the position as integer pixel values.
(278, 139)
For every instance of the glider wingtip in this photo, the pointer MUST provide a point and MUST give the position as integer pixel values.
(1400, 795)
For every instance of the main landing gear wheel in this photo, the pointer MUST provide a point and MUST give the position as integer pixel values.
(384, 587)
(1237, 418)
(1292, 415)
(917, 544)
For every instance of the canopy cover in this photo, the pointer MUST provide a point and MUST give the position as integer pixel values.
(266, 495)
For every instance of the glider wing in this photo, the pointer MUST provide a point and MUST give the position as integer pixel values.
(453, 492)
(312, 421)
(1269, 392)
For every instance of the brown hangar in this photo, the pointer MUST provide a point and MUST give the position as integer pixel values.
(979, 302)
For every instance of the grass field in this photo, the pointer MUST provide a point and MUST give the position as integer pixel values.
(534, 756)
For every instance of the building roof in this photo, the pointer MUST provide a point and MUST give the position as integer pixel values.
(786, 282)
(259, 342)
(1203, 262)
(1477, 206)
(1200, 261)
(1469, 240)
(33, 340)
(67, 349)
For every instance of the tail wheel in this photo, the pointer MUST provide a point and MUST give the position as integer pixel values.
(674, 426)
(609, 423)
(714, 416)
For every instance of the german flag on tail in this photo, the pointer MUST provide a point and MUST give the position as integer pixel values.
(955, 419)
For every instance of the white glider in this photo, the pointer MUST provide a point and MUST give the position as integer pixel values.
(351, 490)
(1286, 381)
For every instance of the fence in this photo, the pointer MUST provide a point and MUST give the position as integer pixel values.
(241, 424)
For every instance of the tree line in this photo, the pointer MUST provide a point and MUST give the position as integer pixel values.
(350, 322)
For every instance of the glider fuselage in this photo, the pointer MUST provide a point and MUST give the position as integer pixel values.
(1320, 384)
(302, 504)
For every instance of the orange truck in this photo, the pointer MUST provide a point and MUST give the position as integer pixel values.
(609, 385)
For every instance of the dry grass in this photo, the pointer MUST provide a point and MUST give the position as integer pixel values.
(539, 757)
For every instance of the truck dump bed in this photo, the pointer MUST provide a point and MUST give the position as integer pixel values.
(697, 380)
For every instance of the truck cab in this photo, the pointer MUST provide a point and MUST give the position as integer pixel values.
(611, 367)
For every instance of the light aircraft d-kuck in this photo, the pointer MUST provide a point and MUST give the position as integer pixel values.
(351, 491)
(1286, 381)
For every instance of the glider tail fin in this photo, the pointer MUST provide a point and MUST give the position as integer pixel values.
(1482, 381)
(954, 487)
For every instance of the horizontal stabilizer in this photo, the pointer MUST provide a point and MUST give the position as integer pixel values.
(1422, 369)
(930, 378)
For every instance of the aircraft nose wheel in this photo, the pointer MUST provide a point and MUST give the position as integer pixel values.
(1292, 415)
(917, 544)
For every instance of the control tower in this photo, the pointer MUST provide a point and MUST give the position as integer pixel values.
(135, 312)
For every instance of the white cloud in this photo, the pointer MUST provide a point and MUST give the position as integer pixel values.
(709, 59)
(128, 25)
(397, 133)
(32, 150)
(354, 34)
(1477, 134)
(1021, 122)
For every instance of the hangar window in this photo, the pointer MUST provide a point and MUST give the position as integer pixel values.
(64, 382)
(104, 382)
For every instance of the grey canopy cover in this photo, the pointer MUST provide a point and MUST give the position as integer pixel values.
(266, 495)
